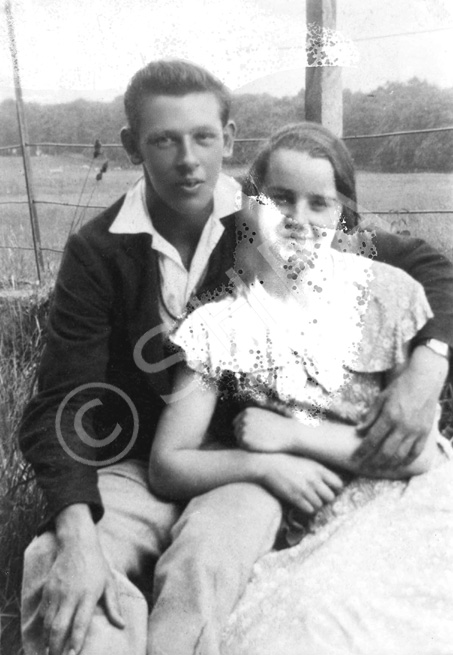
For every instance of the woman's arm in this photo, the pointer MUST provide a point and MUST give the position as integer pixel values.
(332, 443)
(180, 468)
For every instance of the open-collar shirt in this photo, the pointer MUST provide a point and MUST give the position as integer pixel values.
(178, 284)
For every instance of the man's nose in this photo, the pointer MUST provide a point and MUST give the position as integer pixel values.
(187, 156)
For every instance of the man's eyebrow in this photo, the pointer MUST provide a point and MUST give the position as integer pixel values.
(207, 127)
(176, 133)
(158, 133)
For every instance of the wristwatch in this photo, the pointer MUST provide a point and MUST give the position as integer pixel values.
(437, 346)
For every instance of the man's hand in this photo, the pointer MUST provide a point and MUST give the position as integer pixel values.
(78, 580)
(301, 482)
(397, 426)
(261, 430)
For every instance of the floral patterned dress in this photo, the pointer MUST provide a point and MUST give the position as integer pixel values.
(373, 573)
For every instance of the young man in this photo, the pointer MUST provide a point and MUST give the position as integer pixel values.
(104, 379)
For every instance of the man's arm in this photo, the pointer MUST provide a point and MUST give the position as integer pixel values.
(397, 426)
(76, 354)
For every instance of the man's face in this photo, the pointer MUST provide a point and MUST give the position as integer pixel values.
(181, 143)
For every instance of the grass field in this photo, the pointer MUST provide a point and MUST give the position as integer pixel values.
(64, 178)
(412, 191)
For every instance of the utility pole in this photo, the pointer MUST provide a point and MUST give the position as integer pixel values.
(24, 143)
(323, 86)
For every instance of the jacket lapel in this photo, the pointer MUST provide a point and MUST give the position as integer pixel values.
(141, 310)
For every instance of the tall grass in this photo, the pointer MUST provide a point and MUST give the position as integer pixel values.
(22, 321)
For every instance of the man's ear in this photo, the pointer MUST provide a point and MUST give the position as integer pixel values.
(229, 132)
(130, 145)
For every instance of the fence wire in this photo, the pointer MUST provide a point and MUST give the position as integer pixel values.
(97, 144)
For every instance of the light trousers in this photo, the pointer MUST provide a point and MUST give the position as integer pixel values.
(204, 556)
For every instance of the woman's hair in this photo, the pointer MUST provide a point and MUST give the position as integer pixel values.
(317, 142)
(174, 77)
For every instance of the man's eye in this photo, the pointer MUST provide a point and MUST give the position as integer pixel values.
(162, 141)
(205, 137)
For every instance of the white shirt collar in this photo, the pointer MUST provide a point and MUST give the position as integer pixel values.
(134, 216)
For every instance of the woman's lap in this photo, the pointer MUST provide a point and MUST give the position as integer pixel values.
(375, 578)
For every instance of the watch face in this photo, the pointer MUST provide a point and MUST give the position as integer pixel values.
(438, 347)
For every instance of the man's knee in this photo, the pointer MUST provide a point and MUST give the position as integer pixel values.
(232, 513)
(38, 560)
(40, 556)
(234, 502)
(200, 577)
(102, 638)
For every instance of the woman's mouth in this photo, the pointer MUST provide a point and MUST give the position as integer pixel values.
(298, 236)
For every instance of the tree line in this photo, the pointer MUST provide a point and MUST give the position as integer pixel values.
(393, 107)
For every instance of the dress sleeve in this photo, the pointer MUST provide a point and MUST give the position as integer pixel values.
(396, 311)
(225, 335)
(431, 269)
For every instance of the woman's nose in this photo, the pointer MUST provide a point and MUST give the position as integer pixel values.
(299, 213)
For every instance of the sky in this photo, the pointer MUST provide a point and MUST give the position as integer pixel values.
(90, 48)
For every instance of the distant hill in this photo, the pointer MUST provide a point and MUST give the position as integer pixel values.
(395, 106)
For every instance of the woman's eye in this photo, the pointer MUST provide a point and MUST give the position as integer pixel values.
(319, 203)
(280, 199)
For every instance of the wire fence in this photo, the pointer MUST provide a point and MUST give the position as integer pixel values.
(55, 144)
(97, 146)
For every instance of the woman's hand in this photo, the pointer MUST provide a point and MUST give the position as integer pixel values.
(297, 480)
(300, 482)
(261, 430)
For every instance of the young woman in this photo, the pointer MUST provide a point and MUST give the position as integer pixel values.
(315, 334)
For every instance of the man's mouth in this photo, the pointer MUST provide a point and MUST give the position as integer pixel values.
(189, 183)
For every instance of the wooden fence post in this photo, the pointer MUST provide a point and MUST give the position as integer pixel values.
(24, 144)
(323, 86)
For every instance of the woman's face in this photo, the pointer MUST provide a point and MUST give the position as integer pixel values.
(304, 210)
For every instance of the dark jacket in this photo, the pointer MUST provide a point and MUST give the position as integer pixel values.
(104, 369)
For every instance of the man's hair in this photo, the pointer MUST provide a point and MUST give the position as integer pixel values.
(174, 77)
(316, 141)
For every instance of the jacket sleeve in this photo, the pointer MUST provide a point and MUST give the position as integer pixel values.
(73, 366)
(432, 270)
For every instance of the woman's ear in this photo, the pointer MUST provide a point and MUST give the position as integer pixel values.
(229, 132)
(130, 145)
